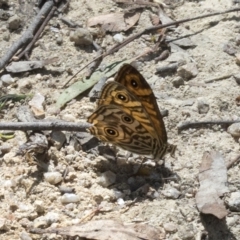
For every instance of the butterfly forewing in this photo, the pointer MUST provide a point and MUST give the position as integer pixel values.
(136, 84)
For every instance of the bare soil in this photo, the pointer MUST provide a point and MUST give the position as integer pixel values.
(23, 187)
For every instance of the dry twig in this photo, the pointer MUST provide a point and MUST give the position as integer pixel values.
(186, 125)
(219, 78)
(147, 31)
(41, 126)
(36, 36)
(28, 34)
(230, 163)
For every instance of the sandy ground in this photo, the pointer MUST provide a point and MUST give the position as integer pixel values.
(28, 199)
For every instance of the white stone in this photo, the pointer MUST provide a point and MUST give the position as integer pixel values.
(53, 177)
(107, 178)
(39, 206)
(234, 201)
(171, 193)
(118, 38)
(52, 217)
(120, 201)
(70, 198)
(7, 79)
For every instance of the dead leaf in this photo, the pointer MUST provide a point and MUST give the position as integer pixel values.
(24, 66)
(115, 22)
(154, 19)
(164, 18)
(213, 184)
(107, 230)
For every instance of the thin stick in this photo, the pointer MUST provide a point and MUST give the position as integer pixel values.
(36, 36)
(219, 78)
(149, 30)
(41, 126)
(187, 125)
(233, 161)
(28, 34)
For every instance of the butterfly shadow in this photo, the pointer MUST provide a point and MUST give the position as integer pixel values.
(216, 228)
(140, 179)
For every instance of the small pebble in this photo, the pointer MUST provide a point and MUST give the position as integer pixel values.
(59, 138)
(4, 15)
(69, 198)
(203, 107)
(188, 71)
(81, 37)
(170, 227)
(234, 130)
(107, 178)
(5, 148)
(25, 86)
(53, 177)
(177, 82)
(65, 189)
(120, 201)
(223, 105)
(59, 40)
(7, 79)
(186, 233)
(171, 192)
(117, 193)
(231, 221)
(3, 224)
(234, 201)
(10, 183)
(237, 59)
(52, 217)
(6, 36)
(230, 48)
(188, 102)
(37, 105)
(118, 38)
(25, 236)
(40, 222)
(25, 207)
(14, 22)
(39, 206)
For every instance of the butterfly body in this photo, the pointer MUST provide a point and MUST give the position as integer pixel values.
(127, 115)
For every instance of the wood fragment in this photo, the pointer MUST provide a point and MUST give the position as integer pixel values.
(41, 126)
(27, 35)
(234, 161)
(187, 125)
(169, 68)
(219, 78)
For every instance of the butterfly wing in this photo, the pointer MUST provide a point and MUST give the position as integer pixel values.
(116, 94)
(112, 124)
(136, 84)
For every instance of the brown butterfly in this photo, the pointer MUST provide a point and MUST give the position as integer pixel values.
(128, 116)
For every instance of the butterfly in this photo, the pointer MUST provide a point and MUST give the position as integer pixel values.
(128, 116)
